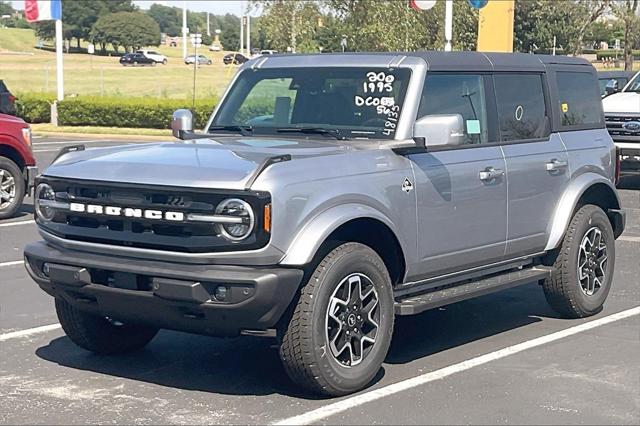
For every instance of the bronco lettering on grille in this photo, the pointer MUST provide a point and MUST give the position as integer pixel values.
(126, 212)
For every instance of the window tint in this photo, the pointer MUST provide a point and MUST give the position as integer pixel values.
(580, 103)
(458, 94)
(522, 112)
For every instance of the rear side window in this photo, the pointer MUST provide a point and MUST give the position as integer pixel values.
(522, 111)
(458, 94)
(580, 104)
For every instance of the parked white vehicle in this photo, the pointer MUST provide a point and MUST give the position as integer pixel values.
(215, 48)
(155, 55)
(622, 112)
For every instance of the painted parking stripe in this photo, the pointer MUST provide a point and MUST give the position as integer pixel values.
(22, 222)
(12, 263)
(29, 332)
(366, 397)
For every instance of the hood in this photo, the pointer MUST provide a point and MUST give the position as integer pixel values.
(225, 163)
(623, 102)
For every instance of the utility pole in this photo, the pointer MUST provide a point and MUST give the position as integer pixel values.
(448, 25)
(185, 30)
(208, 26)
(241, 34)
(248, 35)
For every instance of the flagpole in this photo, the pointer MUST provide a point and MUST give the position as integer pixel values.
(59, 73)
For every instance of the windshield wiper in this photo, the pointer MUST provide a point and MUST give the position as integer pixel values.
(315, 130)
(243, 130)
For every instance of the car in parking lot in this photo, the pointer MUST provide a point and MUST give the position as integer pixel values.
(329, 194)
(7, 100)
(234, 58)
(622, 111)
(158, 57)
(611, 82)
(17, 164)
(202, 60)
(135, 59)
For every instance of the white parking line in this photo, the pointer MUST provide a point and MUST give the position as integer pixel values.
(630, 238)
(12, 263)
(29, 332)
(22, 222)
(366, 397)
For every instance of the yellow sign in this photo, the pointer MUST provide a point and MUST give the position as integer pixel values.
(495, 26)
(565, 107)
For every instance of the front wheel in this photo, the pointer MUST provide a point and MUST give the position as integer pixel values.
(341, 328)
(12, 188)
(583, 265)
(164, 62)
(99, 334)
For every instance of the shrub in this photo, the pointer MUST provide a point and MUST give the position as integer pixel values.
(34, 108)
(132, 112)
(601, 54)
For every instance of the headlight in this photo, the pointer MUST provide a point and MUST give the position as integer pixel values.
(45, 198)
(241, 219)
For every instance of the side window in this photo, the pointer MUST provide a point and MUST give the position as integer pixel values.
(522, 112)
(580, 104)
(458, 94)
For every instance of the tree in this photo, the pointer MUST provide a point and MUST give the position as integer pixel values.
(290, 25)
(131, 30)
(536, 22)
(229, 26)
(167, 18)
(627, 12)
(588, 11)
(6, 8)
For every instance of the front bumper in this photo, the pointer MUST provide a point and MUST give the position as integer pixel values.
(31, 173)
(166, 295)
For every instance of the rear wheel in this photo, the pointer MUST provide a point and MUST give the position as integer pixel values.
(12, 188)
(99, 334)
(341, 328)
(583, 265)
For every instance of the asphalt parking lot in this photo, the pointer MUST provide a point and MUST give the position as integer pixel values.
(502, 358)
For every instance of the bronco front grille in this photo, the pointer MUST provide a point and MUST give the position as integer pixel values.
(616, 127)
(184, 236)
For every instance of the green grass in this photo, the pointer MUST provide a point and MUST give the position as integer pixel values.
(103, 75)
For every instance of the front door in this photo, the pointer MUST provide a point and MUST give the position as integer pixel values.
(461, 191)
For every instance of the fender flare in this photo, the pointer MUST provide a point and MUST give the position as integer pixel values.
(309, 239)
(569, 201)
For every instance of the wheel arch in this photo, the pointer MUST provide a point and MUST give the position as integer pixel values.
(349, 223)
(589, 188)
(12, 154)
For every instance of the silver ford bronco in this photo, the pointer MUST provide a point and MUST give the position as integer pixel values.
(328, 194)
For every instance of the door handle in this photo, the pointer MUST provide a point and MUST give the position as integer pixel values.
(490, 173)
(555, 165)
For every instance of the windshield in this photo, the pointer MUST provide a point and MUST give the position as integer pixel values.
(359, 102)
(634, 85)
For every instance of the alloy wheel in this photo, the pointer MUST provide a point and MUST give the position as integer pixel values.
(352, 320)
(592, 261)
(7, 189)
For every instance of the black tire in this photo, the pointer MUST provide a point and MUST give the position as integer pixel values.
(164, 62)
(305, 350)
(10, 170)
(564, 290)
(99, 334)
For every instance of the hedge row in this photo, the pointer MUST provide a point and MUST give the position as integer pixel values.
(111, 112)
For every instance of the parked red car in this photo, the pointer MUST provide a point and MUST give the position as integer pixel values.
(17, 164)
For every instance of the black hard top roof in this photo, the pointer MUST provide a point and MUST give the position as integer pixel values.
(493, 61)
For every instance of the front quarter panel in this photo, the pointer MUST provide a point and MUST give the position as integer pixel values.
(313, 197)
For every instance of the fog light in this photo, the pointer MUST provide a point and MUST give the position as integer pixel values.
(45, 269)
(221, 293)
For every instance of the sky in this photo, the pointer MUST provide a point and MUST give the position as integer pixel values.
(218, 7)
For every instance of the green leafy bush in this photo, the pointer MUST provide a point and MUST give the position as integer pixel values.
(34, 108)
(601, 54)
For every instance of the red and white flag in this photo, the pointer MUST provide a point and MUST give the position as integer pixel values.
(43, 10)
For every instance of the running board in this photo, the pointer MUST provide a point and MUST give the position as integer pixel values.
(434, 299)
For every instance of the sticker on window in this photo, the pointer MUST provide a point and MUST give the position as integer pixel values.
(565, 107)
(473, 127)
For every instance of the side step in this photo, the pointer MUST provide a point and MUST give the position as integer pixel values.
(434, 299)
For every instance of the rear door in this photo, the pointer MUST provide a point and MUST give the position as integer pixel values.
(536, 160)
(462, 214)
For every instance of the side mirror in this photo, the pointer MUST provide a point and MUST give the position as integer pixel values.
(612, 87)
(182, 123)
(439, 130)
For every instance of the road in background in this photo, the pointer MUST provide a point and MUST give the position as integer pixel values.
(592, 377)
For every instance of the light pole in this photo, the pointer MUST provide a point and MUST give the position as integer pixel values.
(185, 30)
(448, 25)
